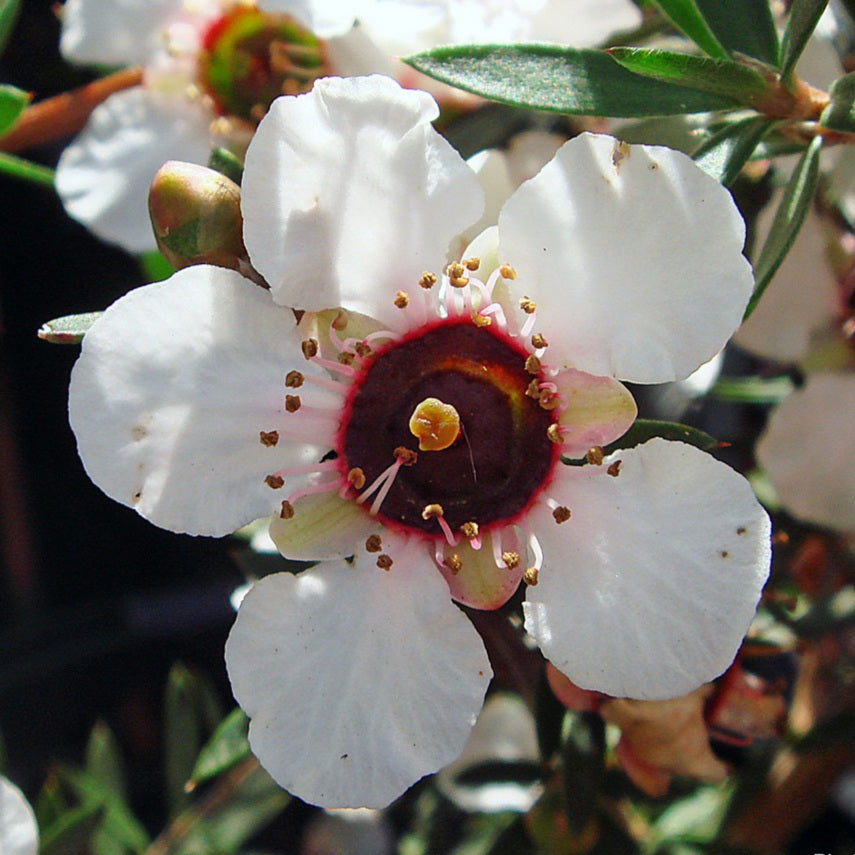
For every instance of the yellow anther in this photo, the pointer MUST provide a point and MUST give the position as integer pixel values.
(406, 456)
(436, 425)
(507, 272)
(356, 478)
(431, 511)
(310, 347)
(538, 341)
(428, 280)
(402, 299)
(292, 403)
(528, 305)
(595, 455)
(363, 349)
(511, 559)
(481, 320)
(471, 263)
(373, 543)
(532, 365)
(345, 357)
(456, 273)
(453, 563)
(294, 379)
(530, 576)
(469, 530)
(384, 562)
(553, 433)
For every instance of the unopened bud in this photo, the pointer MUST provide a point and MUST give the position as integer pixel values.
(195, 214)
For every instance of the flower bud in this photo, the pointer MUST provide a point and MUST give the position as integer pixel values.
(195, 213)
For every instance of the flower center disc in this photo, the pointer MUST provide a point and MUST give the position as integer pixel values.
(249, 58)
(502, 455)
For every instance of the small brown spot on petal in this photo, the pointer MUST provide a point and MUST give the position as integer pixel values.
(614, 468)
(741, 530)
(139, 432)
(268, 438)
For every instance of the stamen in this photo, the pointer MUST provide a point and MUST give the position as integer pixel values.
(345, 358)
(554, 433)
(528, 305)
(310, 347)
(384, 562)
(530, 575)
(436, 511)
(471, 263)
(456, 273)
(292, 403)
(286, 511)
(374, 543)
(311, 489)
(561, 514)
(275, 482)
(383, 482)
(356, 478)
(532, 365)
(294, 379)
(363, 349)
(507, 272)
(511, 559)
(435, 424)
(614, 468)
(538, 341)
(402, 299)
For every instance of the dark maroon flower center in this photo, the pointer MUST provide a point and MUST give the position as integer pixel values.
(502, 455)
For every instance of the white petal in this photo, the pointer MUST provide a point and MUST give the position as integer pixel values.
(648, 589)
(634, 256)
(801, 298)
(120, 32)
(349, 195)
(808, 451)
(104, 175)
(19, 834)
(173, 385)
(324, 526)
(325, 18)
(358, 681)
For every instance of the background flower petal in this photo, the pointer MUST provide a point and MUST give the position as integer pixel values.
(103, 176)
(648, 589)
(119, 32)
(808, 451)
(19, 834)
(358, 681)
(634, 256)
(173, 385)
(366, 196)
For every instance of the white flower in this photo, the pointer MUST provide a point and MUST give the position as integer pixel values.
(104, 174)
(19, 834)
(200, 403)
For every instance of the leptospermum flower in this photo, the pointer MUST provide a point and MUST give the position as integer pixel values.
(409, 433)
(19, 834)
(212, 67)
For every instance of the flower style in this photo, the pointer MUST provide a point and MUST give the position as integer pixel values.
(211, 68)
(447, 398)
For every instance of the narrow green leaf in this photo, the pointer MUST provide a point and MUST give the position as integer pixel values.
(644, 429)
(743, 26)
(12, 104)
(752, 390)
(791, 213)
(725, 153)
(227, 747)
(186, 725)
(8, 17)
(583, 762)
(26, 170)
(686, 17)
(718, 76)
(253, 800)
(839, 113)
(71, 832)
(104, 760)
(562, 80)
(804, 15)
(69, 329)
